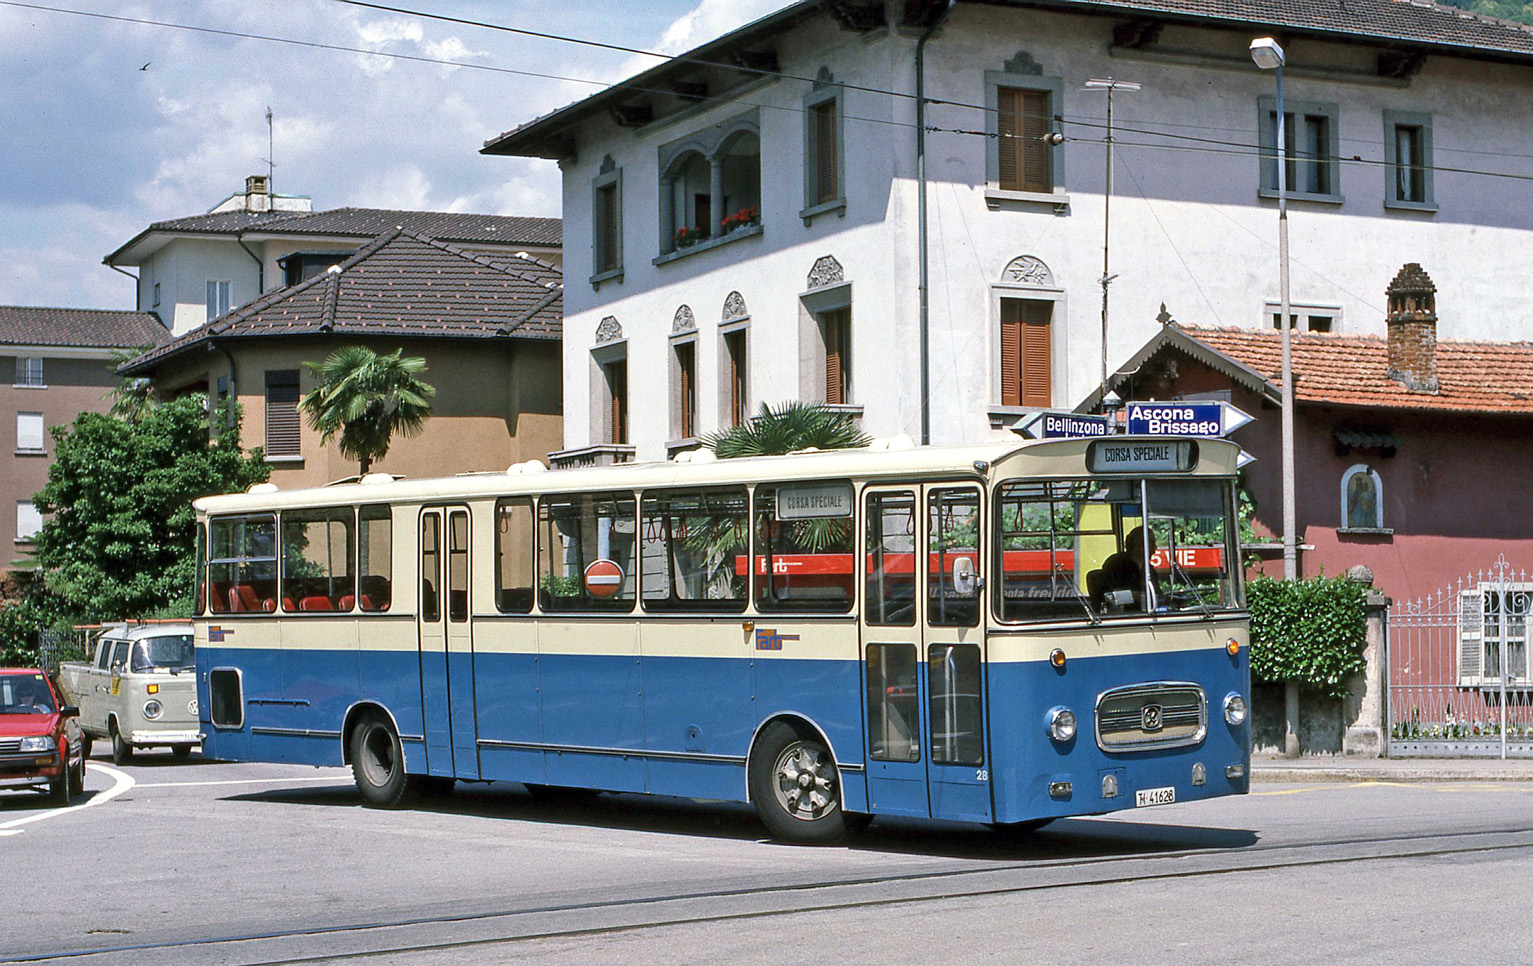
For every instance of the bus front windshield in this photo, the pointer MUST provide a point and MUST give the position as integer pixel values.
(1077, 549)
(171, 652)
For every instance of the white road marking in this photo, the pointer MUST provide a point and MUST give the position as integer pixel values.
(121, 782)
(340, 779)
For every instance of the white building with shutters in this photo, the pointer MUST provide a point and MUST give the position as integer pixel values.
(749, 223)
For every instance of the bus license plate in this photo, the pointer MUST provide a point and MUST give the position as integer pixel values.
(1154, 796)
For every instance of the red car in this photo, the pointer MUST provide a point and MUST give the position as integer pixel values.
(41, 745)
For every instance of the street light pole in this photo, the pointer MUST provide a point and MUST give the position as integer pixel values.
(1268, 55)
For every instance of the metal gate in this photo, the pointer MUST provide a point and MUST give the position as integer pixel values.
(1458, 669)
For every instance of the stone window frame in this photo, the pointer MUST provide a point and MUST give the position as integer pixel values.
(1363, 469)
(711, 142)
(684, 332)
(1025, 277)
(1393, 120)
(611, 347)
(1034, 80)
(734, 320)
(828, 291)
(609, 176)
(826, 90)
(1266, 155)
(1332, 310)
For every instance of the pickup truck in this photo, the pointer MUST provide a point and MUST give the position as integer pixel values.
(138, 690)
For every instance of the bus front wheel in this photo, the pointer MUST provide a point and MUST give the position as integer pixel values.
(796, 787)
(378, 764)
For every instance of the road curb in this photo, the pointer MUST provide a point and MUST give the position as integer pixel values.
(1292, 776)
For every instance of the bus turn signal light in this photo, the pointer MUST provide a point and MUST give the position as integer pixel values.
(1057, 657)
(1232, 646)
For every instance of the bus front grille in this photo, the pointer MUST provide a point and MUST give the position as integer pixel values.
(1142, 717)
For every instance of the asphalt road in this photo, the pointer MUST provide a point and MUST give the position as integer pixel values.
(201, 862)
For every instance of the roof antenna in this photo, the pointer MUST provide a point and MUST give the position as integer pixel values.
(271, 153)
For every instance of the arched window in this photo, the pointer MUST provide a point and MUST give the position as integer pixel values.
(740, 164)
(689, 184)
(1362, 499)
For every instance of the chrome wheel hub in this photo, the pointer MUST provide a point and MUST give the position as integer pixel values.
(805, 782)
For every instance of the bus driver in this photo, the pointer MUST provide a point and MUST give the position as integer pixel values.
(1121, 578)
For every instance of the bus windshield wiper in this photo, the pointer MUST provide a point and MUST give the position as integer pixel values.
(1176, 570)
(1060, 571)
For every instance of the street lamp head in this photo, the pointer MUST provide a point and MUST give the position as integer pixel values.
(1266, 53)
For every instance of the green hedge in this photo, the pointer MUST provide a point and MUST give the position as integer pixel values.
(1309, 631)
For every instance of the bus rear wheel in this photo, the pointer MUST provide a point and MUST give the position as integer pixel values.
(796, 787)
(378, 764)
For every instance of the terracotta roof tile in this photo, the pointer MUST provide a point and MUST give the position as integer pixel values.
(400, 284)
(79, 328)
(1351, 370)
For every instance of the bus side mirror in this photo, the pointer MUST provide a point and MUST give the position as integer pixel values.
(966, 580)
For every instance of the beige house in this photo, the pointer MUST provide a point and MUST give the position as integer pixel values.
(487, 325)
(54, 365)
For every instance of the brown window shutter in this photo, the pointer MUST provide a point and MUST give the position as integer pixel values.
(825, 152)
(1035, 353)
(617, 382)
(685, 359)
(734, 343)
(1011, 352)
(283, 424)
(836, 357)
(1007, 109)
(1035, 151)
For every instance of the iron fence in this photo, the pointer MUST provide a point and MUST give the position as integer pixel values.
(1458, 669)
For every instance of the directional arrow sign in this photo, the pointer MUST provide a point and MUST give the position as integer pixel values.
(1057, 425)
(1184, 418)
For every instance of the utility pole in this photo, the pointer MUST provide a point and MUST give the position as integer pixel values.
(1111, 86)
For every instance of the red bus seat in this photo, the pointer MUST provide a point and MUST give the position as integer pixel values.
(315, 603)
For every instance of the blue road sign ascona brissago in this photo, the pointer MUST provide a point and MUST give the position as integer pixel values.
(1184, 418)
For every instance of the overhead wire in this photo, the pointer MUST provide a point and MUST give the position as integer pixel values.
(1215, 146)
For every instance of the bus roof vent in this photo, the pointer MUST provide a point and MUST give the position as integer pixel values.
(262, 488)
(696, 456)
(526, 466)
(891, 444)
(377, 479)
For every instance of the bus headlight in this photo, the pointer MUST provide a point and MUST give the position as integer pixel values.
(1061, 724)
(1234, 708)
(152, 709)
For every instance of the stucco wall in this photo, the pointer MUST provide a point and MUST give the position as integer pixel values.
(493, 405)
(72, 386)
(1189, 227)
(183, 268)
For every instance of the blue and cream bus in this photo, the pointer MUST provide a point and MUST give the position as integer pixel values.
(1004, 633)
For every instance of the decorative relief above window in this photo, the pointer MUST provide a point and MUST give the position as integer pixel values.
(734, 308)
(1027, 270)
(683, 321)
(826, 271)
(608, 330)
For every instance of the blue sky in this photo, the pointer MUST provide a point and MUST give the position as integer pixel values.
(95, 148)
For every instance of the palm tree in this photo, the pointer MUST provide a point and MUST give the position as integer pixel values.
(134, 397)
(367, 398)
(790, 427)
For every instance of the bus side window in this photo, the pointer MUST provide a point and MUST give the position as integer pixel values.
(376, 556)
(514, 533)
(894, 714)
(431, 570)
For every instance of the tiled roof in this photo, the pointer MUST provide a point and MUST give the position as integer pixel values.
(362, 223)
(401, 284)
(1410, 22)
(1351, 370)
(79, 328)
(441, 225)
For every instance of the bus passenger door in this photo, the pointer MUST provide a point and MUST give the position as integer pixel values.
(891, 650)
(953, 639)
(432, 618)
(460, 647)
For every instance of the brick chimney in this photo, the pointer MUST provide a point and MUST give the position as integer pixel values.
(1412, 322)
(257, 193)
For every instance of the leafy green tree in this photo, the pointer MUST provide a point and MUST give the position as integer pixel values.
(791, 426)
(1311, 632)
(367, 398)
(120, 538)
